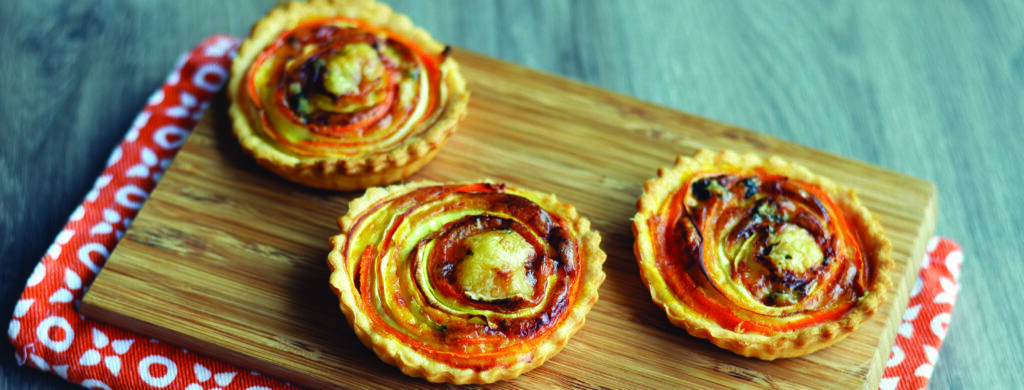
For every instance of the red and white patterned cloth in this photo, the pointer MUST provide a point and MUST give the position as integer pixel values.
(49, 334)
(926, 319)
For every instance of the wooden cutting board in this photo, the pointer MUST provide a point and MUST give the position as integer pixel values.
(228, 260)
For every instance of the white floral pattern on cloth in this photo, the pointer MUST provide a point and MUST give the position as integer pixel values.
(47, 331)
(49, 334)
(926, 319)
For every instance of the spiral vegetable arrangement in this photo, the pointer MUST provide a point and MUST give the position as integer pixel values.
(343, 94)
(465, 283)
(340, 86)
(763, 258)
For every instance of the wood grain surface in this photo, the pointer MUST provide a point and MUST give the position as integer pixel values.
(229, 260)
(932, 89)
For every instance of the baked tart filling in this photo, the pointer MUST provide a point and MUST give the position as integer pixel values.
(464, 283)
(761, 257)
(343, 94)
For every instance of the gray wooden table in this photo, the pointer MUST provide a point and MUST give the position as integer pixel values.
(932, 89)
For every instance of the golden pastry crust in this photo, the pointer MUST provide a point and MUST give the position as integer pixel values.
(382, 127)
(481, 282)
(770, 276)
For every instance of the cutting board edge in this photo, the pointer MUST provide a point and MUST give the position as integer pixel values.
(887, 336)
(98, 312)
(902, 295)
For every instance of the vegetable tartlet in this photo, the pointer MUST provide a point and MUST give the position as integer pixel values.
(467, 282)
(343, 94)
(761, 257)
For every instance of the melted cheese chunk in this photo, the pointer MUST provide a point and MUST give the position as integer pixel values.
(495, 267)
(345, 72)
(794, 250)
